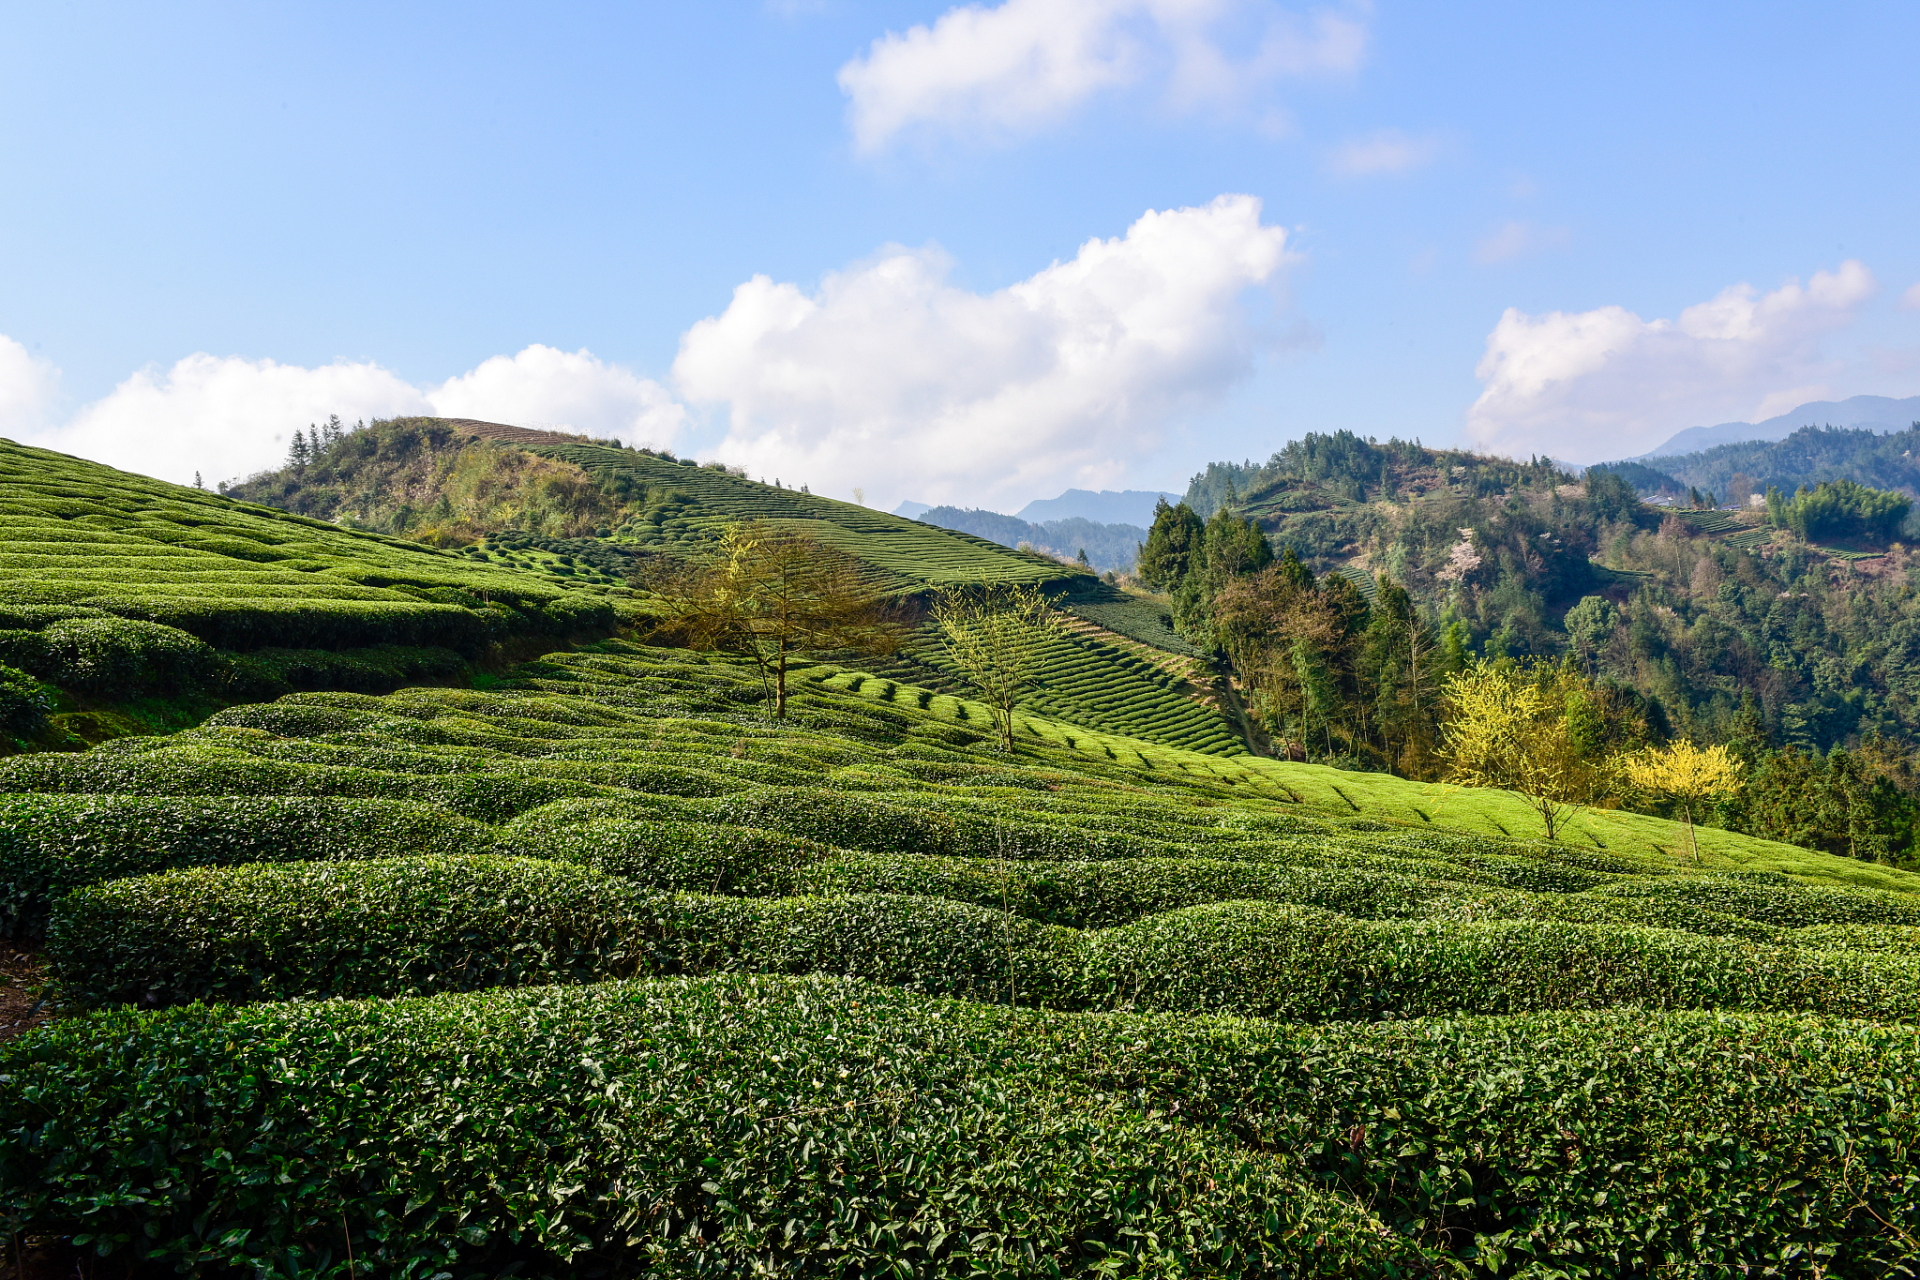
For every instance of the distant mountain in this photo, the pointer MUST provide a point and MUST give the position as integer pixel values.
(912, 510)
(1108, 546)
(1871, 413)
(1807, 457)
(1108, 506)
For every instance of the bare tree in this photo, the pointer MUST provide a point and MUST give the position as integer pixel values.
(994, 635)
(773, 594)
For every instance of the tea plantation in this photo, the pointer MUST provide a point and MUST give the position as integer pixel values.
(596, 971)
(141, 604)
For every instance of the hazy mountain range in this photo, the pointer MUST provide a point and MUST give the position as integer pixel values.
(1107, 506)
(1872, 413)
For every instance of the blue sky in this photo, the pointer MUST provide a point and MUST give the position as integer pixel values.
(848, 244)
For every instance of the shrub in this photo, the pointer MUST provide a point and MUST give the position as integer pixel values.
(219, 771)
(268, 931)
(775, 1126)
(112, 656)
(1285, 961)
(51, 844)
(396, 926)
(23, 704)
(673, 855)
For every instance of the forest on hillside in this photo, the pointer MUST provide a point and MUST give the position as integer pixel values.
(1731, 473)
(1742, 630)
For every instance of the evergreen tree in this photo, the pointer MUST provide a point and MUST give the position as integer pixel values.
(1174, 546)
(299, 451)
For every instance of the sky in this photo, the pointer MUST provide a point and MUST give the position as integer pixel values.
(974, 254)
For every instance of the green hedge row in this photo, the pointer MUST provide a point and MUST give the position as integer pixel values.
(414, 925)
(52, 844)
(216, 771)
(665, 854)
(107, 655)
(400, 926)
(756, 1126)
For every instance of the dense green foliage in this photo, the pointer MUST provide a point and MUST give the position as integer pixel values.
(596, 969)
(730, 1126)
(51, 844)
(420, 925)
(1804, 459)
(622, 811)
(1841, 509)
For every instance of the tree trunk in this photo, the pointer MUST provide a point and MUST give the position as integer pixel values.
(780, 682)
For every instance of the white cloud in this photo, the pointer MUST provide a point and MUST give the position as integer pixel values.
(891, 378)
(27, 387)
(1910, 300)
(1603, 384)
(1517, 239)
(986, 74)
(563, 391)
(228, 416)
(1387, 151)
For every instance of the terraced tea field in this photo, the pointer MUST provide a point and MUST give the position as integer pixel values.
(1097, 684)
(79, 539)
(597, 971)
(912, 556)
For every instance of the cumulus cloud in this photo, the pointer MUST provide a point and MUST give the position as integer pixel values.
(1387, 151)
(1518, 239)
(892, 378)
(563, 391)
(1600, 384)
(227, 416)
(1910, 300)
(27, 386)
(992, 73)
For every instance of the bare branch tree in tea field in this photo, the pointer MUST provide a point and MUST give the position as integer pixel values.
(773, 594)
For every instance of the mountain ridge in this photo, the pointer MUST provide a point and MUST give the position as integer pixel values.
(1883, 413)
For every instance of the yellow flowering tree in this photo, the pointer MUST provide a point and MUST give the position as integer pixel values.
(1503, 730)
(1686, 774)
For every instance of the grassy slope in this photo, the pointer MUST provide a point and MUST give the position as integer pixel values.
(1083, 678)
(1379, 797)
(75, 533)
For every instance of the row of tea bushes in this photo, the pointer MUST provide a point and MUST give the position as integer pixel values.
(82, 826)
(53, 844)
(77, 538)
(274, 931)
(752, 1125)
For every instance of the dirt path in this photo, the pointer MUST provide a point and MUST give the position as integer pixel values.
(21, 978)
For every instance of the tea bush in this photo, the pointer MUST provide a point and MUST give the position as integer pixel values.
(23, 704)
(272, 931)
(754, 1125)
(50, 844)
(389, 927)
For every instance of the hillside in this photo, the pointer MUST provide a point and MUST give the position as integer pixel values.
(585, 965)
(536, 501)
(599, 940)
(115, 587)
(1805, 458)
